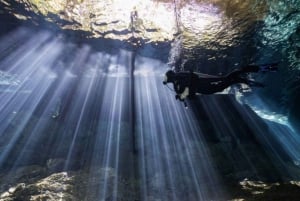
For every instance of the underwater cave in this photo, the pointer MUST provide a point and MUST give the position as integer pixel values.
(85, 115)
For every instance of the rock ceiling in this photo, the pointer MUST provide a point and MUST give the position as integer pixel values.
(204, 30)
(153, 20)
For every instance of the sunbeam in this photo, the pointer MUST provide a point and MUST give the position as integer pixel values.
(70, 108)
(170, 146)
(283, 139)
(34, 78)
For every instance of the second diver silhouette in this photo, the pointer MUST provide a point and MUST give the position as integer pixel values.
(189, 84)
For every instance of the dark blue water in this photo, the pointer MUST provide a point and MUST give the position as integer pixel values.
(98, 124)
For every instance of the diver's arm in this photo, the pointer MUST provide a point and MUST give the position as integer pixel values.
(182, 96)
(177, 89)
(185, 93)
(182, 85)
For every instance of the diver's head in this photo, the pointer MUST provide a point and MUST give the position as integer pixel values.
(169, 76)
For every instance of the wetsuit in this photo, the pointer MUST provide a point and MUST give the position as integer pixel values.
(188, 84)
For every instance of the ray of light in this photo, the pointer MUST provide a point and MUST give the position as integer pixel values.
(283, 139)
(91, 121)
(110, 129)
(35, 79)
(168, 141)
(222, 123)
(11, 41)
(81, 113)
(115, 93)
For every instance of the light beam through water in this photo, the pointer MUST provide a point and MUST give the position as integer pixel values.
(77, 110)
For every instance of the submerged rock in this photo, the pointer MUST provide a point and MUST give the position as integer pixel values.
(240, 143)
(72, 186)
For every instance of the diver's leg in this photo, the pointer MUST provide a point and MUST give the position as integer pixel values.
(271, 67)
(213, 85)
(237, 75)
(235, 78)
(246, 69)
(249, 82)
(250, 69)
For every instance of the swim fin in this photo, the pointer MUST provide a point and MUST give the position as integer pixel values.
(271, 67)
(255, 84)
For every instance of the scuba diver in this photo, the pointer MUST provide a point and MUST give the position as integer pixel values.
(189, 84)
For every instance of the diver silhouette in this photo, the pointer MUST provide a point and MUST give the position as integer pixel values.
(189, 84)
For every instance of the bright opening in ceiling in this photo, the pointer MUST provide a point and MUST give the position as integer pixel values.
(153, 20)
